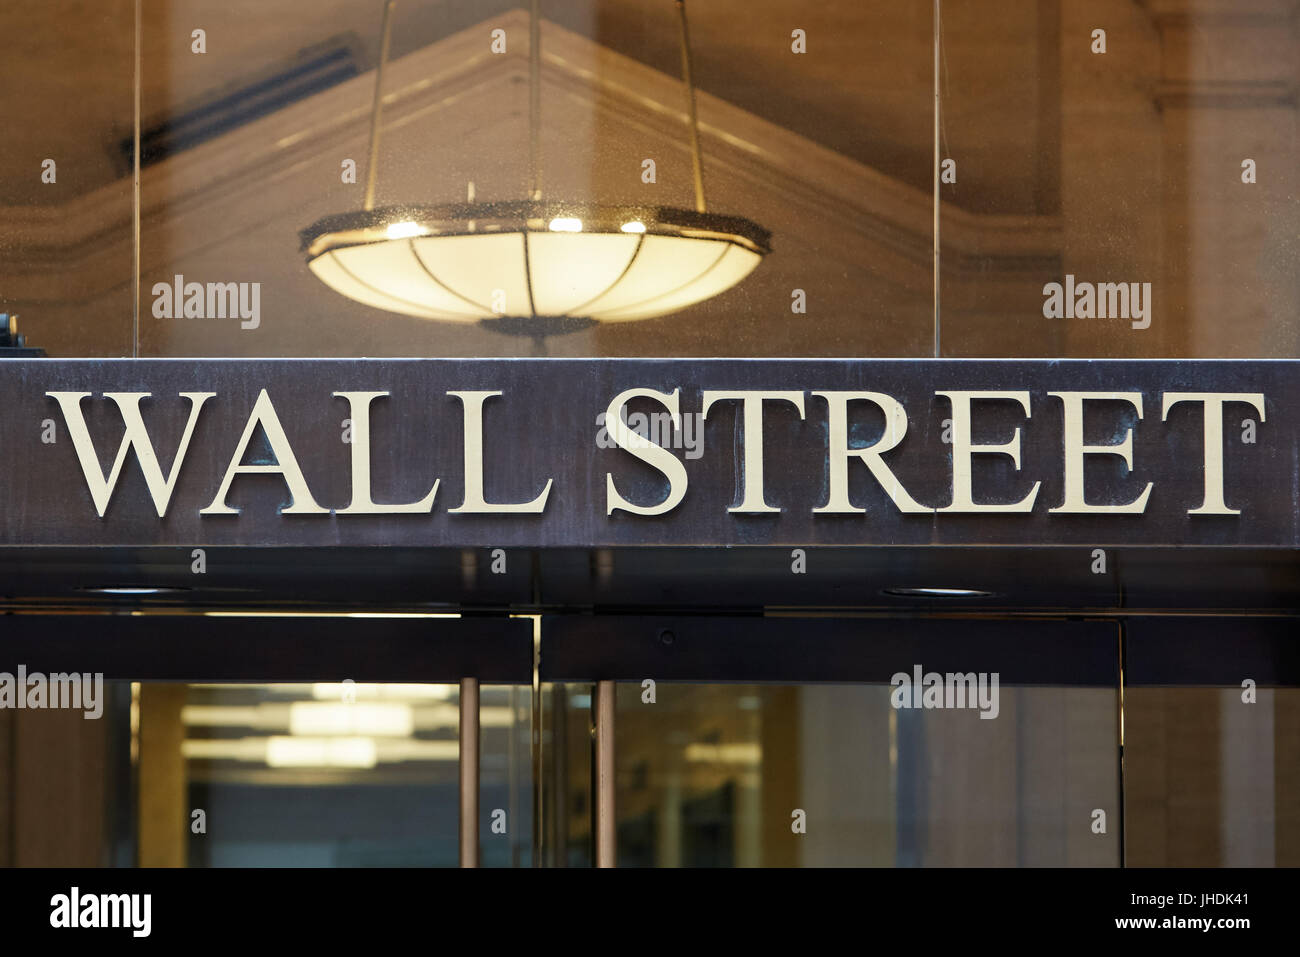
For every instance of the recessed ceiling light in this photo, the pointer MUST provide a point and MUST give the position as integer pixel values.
(132, 590)
(929, 592)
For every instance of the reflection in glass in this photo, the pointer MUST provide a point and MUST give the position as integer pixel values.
(823, 775)
(1124, 152)
(1212, 777)
(345, 774)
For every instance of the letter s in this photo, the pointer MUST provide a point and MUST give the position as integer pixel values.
(650, 453)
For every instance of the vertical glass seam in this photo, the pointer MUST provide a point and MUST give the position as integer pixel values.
(135, 187)
(935, 202)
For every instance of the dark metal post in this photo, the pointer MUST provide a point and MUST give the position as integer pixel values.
(606, 811)
(469, 853)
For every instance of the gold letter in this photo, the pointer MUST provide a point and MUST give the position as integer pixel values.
(474, 501)
(1212, 407)
(361, 504)
(962, 450)
(838, 451)
(1075, 499)
(650, 453)
(752, 410)
(136, 436)
(286, 465)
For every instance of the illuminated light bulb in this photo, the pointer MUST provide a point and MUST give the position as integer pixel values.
(405, 230)
(636, 226)
(566, 224)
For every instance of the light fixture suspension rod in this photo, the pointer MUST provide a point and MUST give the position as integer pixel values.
(534, 103)
(372, 164)
(697, 162)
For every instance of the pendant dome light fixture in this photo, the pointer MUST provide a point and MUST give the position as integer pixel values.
(534, 266)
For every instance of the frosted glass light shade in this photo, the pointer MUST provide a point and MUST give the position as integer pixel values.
(521, 260)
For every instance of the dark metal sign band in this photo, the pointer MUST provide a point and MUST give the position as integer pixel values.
(589, 453)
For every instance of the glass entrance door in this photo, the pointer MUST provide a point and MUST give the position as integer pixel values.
(749, 741)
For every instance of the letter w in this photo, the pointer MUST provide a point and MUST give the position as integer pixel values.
(136, 436)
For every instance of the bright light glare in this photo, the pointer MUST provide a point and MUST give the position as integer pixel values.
(321, 752)
(317, 718)
(636, 226)
(360, 691)
(738, 753)
(566, 224)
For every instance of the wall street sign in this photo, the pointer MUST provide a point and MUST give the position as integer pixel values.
(609, 452)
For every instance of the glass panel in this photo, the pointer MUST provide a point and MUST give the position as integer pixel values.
(816, 776)
(1123, 180)
(66, 797)
(343, 774)
(824, 775)
(568, 766)
(1140, 159)
(322, 775)
(815, 127)
(505, 776)
(66, 235)
(1212, 778)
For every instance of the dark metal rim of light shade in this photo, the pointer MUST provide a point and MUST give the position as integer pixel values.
(363, 227)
